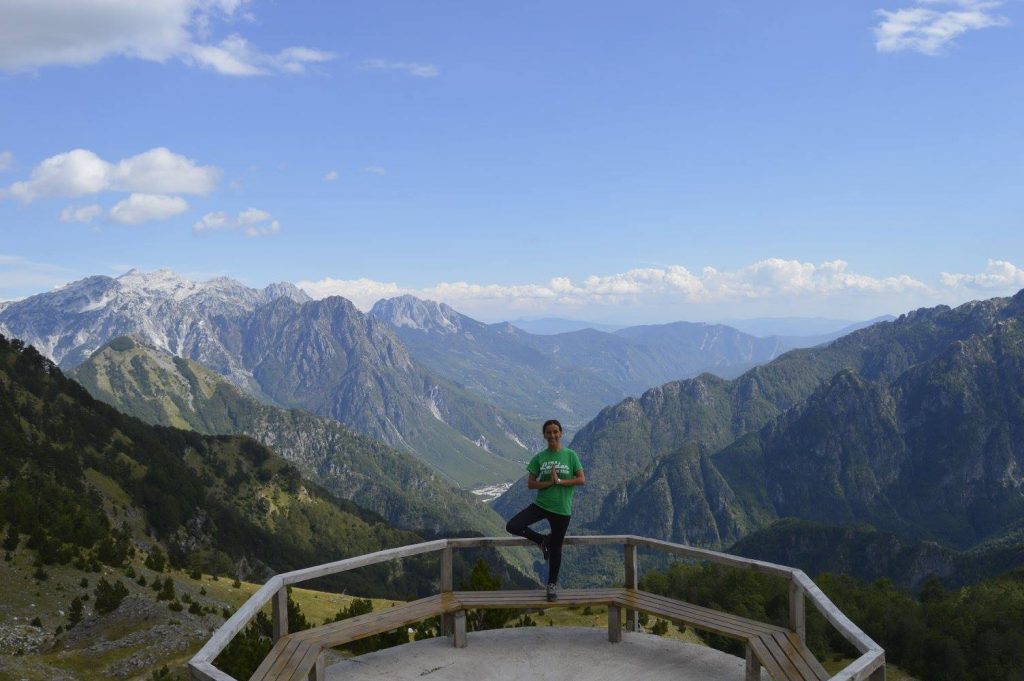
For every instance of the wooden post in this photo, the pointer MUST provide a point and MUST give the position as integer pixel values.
(632, 574)
(614, 624)
(317, 672)
(460, 629)
(753, 666)
(797, 611)
(447, 619)
(279, 614)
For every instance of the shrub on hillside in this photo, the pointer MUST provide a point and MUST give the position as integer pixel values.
(109, 596)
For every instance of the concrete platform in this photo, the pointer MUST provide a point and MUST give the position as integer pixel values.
(544, 654)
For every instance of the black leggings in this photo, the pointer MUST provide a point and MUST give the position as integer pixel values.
(520, 525)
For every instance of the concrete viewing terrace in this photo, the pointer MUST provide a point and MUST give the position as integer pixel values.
(776, 652)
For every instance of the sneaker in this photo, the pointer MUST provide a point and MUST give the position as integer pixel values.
(544, 548)
(552, 595)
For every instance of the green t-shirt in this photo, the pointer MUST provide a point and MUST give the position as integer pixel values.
(557, 498)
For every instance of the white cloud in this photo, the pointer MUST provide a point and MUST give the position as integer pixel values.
(375, 170)
(212, 222)
(80, 172)
(161, 171)
(235, 57)
(331, 176)
(770, 278)
(250, 222)
(139, 208)
(73, 173)
(6, 158)
(38, 33)
(998, 275)
(81, 213)
(362, 292)
(409, 67)
(928, 30)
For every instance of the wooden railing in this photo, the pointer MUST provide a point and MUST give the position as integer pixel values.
(869, 665)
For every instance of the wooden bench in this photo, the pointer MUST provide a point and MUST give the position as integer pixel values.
(778, 650)
(298, 656)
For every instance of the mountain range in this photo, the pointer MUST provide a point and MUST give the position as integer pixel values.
(912, 425)
(462, 395)
(322, 356)
(570, 376)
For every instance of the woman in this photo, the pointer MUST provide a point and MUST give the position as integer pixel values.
(554, 473)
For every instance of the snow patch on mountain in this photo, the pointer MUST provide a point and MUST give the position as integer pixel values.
(98, 304)
(511, 435)
(432, 403)
(162, 308)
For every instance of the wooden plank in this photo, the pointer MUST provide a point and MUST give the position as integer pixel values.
(863, 667)
(713, 556)
(448, 602)
(275, 652)
(286, 663)
(790, 649)
(446, 569)
(345, 631)
(756, 627)
(797, 610)
(362, 561)
(237, 621)
(781, 659)
(753, 667)
(447, 622)
(303, 664)
(817, 669)
(535, 598)
(277, 659)
(850, 631)
(667, 547)
(572, 540)
(631, 572)
(766, 659)
(279, 614)
(731, 625)
(204, 671)
(319, 670)
(227, 631)
(614, 624)
(460, 629)
(299, 664)
(724, 629)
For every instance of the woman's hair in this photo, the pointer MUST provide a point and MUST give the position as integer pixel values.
(548, 423)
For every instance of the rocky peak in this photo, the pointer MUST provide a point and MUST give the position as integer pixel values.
(283, 289)
(163, 283)
(423, 315)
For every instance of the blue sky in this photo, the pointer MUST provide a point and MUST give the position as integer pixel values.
(634, 162)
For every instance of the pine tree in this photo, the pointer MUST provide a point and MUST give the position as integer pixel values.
(75, 612)
(109, 596)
